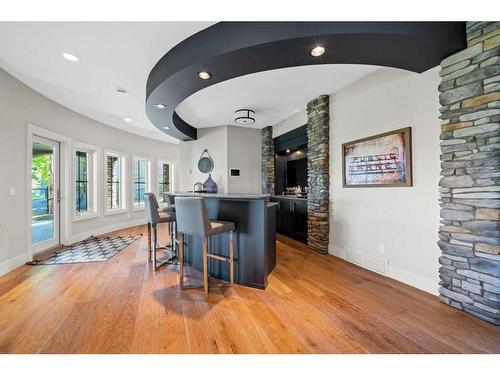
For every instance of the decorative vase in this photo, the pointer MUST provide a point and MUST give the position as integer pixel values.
(210, 186)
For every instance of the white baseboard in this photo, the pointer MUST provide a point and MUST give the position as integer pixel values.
(13, 263)
(417, 281)
(103, 230)
(382, 266)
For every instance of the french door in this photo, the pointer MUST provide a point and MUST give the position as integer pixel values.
(45, 194)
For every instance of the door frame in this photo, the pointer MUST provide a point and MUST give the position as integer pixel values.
(64, 183)
(55, 240)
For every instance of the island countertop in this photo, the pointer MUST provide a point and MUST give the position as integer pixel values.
(221, 195)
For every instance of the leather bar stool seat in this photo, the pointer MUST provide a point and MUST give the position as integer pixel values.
(221, 226)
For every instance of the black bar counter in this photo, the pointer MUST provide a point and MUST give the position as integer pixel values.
(254, 239)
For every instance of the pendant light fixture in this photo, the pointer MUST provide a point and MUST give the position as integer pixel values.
(244, 117)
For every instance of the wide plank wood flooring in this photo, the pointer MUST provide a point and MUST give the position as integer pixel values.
(313, 304)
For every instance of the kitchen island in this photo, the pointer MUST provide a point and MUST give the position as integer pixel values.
(254, 238)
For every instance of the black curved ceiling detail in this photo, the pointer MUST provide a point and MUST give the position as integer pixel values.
(232, 49)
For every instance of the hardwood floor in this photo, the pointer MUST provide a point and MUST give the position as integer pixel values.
(313, 304)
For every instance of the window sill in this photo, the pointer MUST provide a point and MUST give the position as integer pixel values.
(115, 212)
(88, 216)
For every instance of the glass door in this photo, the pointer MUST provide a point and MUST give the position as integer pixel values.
(45, 194)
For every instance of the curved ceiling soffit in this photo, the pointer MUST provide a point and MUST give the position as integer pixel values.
(231, 49)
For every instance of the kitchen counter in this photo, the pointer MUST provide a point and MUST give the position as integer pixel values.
(222, 195)
(254, 239)
(288, 197)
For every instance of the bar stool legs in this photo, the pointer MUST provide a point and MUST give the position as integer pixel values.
(172, 247)
(205, 267)
(149, 242)
(206, 256)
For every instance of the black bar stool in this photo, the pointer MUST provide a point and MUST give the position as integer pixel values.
(155, 216)
(192, 219)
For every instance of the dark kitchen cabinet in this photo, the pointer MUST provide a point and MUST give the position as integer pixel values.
(291, 218)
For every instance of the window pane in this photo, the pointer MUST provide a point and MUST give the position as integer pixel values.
(113, 176)
(81, 182)
(141, 179)
(164, 182)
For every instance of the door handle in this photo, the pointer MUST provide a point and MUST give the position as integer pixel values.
(58, 195)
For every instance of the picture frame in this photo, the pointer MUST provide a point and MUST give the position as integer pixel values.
(381, 160)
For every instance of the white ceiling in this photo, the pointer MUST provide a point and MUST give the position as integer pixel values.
(112, 55)
(121, 55)
(274, 95)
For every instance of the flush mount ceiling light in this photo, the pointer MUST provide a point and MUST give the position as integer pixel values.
(70, 57)
(244, 117)
(204, 75)
(166, 127)
(317, 51)
(127, 119)
(160, 106)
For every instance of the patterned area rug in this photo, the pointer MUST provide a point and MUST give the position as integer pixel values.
(93, 249)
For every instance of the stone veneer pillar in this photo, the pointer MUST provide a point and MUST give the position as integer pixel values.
(267, 179)
(470, 187)
(318, 175)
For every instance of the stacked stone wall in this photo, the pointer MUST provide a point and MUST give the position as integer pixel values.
(469, 236)
(318, 174)
(268, 174)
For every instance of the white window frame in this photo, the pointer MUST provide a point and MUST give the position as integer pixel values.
(92, 173)
(148, 181)
(159, 164)
(123, 182)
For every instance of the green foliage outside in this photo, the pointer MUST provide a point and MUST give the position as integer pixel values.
(41, 174)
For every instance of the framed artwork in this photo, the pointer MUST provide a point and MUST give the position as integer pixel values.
(377, 161)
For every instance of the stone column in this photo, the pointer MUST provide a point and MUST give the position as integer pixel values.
(318, 175)
(469, 236)
(267, 179)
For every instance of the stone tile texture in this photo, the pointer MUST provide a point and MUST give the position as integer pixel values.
(469, 237)
(268, 174)
(318, 175)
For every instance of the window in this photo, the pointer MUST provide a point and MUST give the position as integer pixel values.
(141, 181)
(165, 180)
(115, 188)
(84, 181)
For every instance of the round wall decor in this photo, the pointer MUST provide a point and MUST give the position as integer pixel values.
(205, 164)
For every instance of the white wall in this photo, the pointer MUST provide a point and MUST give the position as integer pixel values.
(229, 147)
(20, 105)
(404, 220)
(245, 154)
(215, 141)
(293, 122)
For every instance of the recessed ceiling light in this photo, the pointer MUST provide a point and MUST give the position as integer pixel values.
(317, 51)
(127, 119)
(121, 91)
(287, 150)
(70, 57)
(160, 106)
(166, 127)
(204, 75)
